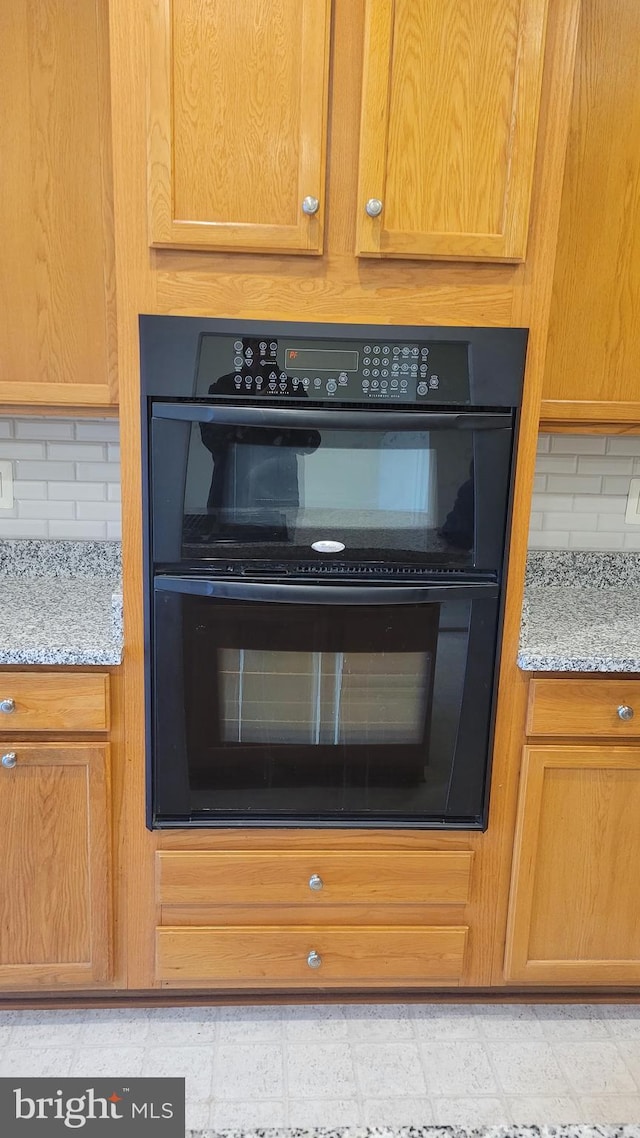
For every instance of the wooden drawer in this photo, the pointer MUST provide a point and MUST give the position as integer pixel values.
(52, 701)
(583, 707)
(283, 878)
(349, 956)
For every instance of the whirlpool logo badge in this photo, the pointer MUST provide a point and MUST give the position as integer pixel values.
(134, 1108)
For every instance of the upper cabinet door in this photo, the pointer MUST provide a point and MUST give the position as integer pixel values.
(237, 124)
(450, 105)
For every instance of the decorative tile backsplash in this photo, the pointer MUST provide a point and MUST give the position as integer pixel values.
(580, 492)
(66, 478)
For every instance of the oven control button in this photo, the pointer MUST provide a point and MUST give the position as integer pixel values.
(374, 384)
(237, 345)
(404, 383)
(238, 383)
(305, 382)
(365, 385)
(273, 346)
(384, 383)
(434, 381)
(394, 384)
(386, 350)
(414, 351)
(273, 375)
(331, 386)
(422, 389)
(367, 349)
(406, 350)
(238, 361)
(365, 371)
(424, 352)
(317, 382)
(343, 379)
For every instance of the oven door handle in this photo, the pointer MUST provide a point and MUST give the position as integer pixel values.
(277, 592)
(326, 417)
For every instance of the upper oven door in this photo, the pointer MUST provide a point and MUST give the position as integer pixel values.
(292, 484)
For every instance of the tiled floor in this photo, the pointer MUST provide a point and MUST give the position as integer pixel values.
(341, 1065)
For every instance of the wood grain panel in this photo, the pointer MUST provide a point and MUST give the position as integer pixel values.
(276, 877)
(578, 708)
(237, 123)
(54, 701)
(403, 956)
(574, 915)
(57, 270)
(449, 128)
(594, 350)
(54, 871)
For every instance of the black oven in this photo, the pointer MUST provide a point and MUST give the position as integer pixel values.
(326, 514)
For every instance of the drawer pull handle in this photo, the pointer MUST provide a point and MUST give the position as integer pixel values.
(316, 883)
(314, 960)
(374, 207)
(625, 712)
(10, 759)
(310, 205)
(7, 705)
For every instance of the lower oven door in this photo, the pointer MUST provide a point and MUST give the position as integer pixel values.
(299, 704)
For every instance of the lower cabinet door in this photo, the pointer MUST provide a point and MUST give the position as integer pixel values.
(310, 957)
(574, 914)
(54, 865)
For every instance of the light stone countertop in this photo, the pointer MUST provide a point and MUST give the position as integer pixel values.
(60, 602)
(581, 613)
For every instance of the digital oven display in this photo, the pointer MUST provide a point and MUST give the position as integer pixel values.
(316, 359)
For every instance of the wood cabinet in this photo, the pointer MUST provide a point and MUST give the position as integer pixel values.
(593, 355)
(450, 102)
(574, 912)
(54, 865)
(57, 333)
(238, 116)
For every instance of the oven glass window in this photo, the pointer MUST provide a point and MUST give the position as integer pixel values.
(397, 494)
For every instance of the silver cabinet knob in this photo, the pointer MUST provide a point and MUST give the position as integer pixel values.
(374, 207)
(316, 883)
(625, 712)
(314, 960)
(310, 205)
(7, 705)
(10, 759)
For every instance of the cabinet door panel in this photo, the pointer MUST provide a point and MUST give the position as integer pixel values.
(54, 866)
(237, 130)
(449, 120)
(574, 913)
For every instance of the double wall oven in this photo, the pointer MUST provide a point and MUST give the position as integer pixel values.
(326, 518)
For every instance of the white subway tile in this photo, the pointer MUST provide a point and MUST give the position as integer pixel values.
(6, 428)
(557, 502)
(578, 444)
(113, 492)
(114, 531)
(636, 466)
(45, 510)
(615, 484)
(549, 540)
(595, 541)
(98, 430)
(56, 471)
(44, 429)
(15, 448)
(624, 444)
(578, 522)
(612, 523)
(586, 503)
(535, 520)
(22, 489)
(80, 531)
(101, 511)
(539, 482)
(576, 484)
(98, 472)
(596, 465)
(24, 528)
(631, 541)
(544, 443)
(113, 452)
(76, 452)
(556, 464)
(78, 491)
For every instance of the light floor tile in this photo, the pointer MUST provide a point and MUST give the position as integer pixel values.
(313, 1023)
(457, 1069)
(527, 1068)
(192, 1063)
(173, 1026)
(609, 1110)
(630, 1051)
(113, 1026)
(397, 1112)
(595, 1068)
(383, 1022)
(470, 1111)
(259, 1025)
(247, 1115)
(582, 1022)
(388, 1069)
(544, 1111)
(322, 1070)
(104, 1062)
(55, 1028)
(444, 1021)
(305, 1114)
(37, 1062)
(623, 1020)
(248, 1071)
(508, 1021)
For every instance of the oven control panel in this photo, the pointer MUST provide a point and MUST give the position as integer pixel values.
(350, 371)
